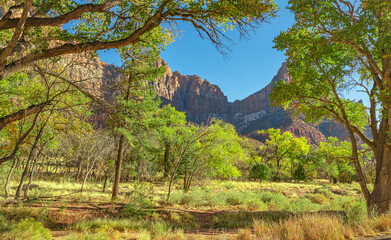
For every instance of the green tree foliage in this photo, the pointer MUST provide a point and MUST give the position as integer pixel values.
(136, 103)
(213, 150)
(46, 94)
(168, 120)
(41, 32)
(299, 173)
(283, 151)
(260, 171)
(333, 47)
(335, 157)
(38, 27)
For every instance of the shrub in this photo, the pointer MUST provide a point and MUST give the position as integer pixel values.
(229, 185)
(299, 173)
(346, 174)
(140, 201)
(318, 198)
(355, 212)
(301, 205)
(260, 171)
(117, 224)
(158, 229)
(27, 228)
(144, 235)
(276, 199)
(325, 191)
(93, 236)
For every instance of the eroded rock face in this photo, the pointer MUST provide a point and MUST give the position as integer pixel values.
(203, 101)
(260, 100)
(190, 93)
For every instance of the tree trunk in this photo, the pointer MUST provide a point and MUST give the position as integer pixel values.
(9, 178)
(118, 167)
(166, 160)
(380, 199)
(104, 185)
(29, 159)
(87, 174)
(26, 191)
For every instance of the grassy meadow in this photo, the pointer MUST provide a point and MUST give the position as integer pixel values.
(212, 209)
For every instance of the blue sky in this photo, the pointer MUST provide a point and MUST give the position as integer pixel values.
(249, 67)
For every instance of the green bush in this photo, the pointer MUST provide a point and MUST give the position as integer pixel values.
(101, 235)
(355, 212)
(299, 173)
(273, 198)
(325, 191)
(229, 185)
(260, 171)
(317, 198)
(346, 174)
(301, 205)
(27, 228)
(140, 201)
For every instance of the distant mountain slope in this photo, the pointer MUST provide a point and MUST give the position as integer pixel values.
(202, 101)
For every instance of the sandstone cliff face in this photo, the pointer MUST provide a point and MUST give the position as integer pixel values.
(190, 93)
(202, 101)
(194, 95)
(260, 100)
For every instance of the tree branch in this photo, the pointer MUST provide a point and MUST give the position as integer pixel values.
(18, 32)
(56, 21)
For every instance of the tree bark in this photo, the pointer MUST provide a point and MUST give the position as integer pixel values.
(29, 159)
(23, 113)
(26, 190)
(9, 178)
(166, 160)
(380, 199)
(104, 185)
(118, 167)
(381, 196)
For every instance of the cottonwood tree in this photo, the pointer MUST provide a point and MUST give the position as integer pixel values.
(213, 150)
(168, 119)
(335, 157)
(283, 150)
(21, 90)
(335, 46)
(34, 30)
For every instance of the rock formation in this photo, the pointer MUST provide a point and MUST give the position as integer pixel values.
(202, 101)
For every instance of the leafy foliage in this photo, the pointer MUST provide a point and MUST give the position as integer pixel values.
(260, 171)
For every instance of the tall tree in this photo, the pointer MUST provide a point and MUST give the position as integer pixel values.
(46, 29)
(137, 101)
(335, 46)
(35, 30)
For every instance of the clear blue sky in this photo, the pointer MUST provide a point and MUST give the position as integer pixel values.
(249, 67)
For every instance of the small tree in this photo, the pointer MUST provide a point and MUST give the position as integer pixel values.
(260, 171)
(299, 173)
(283, 150)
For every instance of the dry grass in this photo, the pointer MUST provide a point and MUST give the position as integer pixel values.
(309, 227)
(382, 223)
(320, 227)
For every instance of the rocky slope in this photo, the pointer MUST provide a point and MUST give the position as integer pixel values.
(203, 101)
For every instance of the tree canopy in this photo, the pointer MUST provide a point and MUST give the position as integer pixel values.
(46, 29)
(335, 47)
